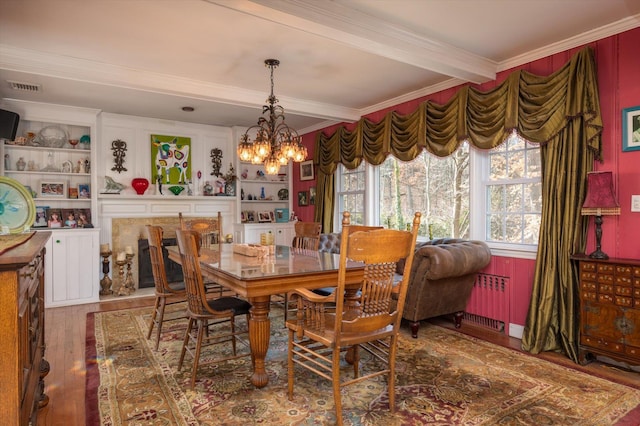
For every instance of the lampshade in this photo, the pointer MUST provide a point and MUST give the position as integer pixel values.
(600, 199)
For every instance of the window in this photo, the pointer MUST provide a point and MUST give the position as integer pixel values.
(503, 186)
(350, 195)
(514, 193)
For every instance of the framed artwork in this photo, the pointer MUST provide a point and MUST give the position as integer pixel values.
(41, 217)
(631, 129)
(306, 170)
(170, 159)
(54, 218)
(264, 217)
(84, 190)
(51, 188)
(83, 217)
(69, 218)
(312, 196)
(243, 216)
(250, 216)
(303, 198)
(282, 215)
(73, 192)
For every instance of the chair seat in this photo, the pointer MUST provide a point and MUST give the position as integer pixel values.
(324, 291)
(177, 286)
(238, 306)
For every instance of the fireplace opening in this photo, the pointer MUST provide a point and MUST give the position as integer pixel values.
(145, 272)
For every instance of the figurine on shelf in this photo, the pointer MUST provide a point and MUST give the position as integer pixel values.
(208, 189)
(111, 186)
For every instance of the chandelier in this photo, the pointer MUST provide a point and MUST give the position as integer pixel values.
(274, 143)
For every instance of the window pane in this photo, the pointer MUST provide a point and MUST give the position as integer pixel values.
(514, 198)
(436, 187)
(516, 167)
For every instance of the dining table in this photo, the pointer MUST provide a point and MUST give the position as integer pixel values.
(257, 278)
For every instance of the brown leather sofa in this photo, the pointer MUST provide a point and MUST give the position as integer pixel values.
(442, 276)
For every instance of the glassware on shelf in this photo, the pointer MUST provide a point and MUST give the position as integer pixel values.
(74, 142)
(50, 167)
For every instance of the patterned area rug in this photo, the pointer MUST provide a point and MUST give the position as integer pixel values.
(444, 378)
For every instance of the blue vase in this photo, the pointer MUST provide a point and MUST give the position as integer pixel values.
(262, 196)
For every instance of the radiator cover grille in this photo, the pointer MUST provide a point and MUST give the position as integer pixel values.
(489, 302)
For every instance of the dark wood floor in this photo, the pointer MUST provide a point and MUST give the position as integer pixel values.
(65, 340)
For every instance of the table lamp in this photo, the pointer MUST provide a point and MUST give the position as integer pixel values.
(600, 200)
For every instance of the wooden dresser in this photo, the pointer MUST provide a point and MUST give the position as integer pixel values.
(609, 308)
(22, 363)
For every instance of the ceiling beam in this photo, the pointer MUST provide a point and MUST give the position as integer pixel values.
(351, 27)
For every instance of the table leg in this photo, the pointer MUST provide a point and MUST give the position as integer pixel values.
(259, 334)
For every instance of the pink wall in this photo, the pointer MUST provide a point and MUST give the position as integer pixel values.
(618, 63)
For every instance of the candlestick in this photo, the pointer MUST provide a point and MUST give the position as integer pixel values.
(121, 257)
(128, 281)
(128, 250)
(105, 282)
(104, 248)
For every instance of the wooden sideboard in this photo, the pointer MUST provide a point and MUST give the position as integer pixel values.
(22, 363)
(609, 308)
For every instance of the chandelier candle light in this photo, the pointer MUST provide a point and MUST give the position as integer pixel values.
(600, 200)
(274, 143)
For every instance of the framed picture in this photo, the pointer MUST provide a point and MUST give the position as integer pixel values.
(250, 216)
(312, 195)
(54, 218)
(282, 215)
(69, 218)
(83, 217)
(306, 170)
(272, 217)
(264, 217)
(84, 190)
(170, 159)
(49, 188)
(631, 129)
(73, 192)
(243, 216)
(303, 198)
(41, 217)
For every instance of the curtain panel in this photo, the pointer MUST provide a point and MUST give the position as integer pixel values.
(560, 111)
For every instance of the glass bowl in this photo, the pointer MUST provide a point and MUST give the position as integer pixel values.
(52, 137)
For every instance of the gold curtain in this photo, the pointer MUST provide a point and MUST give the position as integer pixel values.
(560, 111)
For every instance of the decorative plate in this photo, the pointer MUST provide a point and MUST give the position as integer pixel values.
(283, 194)
(17, 209)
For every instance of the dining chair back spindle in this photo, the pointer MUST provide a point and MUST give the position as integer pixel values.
(325, 326)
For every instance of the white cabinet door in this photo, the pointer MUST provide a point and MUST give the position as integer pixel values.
(283, 232)
(72, 265)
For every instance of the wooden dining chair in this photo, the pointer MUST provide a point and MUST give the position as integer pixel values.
(207, 317)
(307, 235)
(210, 236)
(166, 293)
(209, 229)
(369, 320)
(308, 238)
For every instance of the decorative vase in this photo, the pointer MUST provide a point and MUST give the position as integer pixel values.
(20, 164)
(230, 189)
(140, 185)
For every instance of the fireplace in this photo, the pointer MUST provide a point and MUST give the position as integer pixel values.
(145, 272)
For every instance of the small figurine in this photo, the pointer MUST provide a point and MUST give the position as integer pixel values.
(208, 189)
(111, 186)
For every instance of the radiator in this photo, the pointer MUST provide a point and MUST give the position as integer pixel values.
(489, 302)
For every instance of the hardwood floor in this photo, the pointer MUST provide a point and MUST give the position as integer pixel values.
(65, 331)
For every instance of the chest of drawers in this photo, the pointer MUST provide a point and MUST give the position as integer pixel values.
(22, 363)
(609, 308)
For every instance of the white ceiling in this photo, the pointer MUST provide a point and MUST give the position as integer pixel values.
(340, 59)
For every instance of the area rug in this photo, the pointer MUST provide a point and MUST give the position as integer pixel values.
(443, 378)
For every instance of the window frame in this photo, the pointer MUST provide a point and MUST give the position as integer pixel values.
(478, 185)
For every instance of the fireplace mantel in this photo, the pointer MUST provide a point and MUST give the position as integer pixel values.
(136, 211)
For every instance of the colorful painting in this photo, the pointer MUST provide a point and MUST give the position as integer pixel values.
(170, 159)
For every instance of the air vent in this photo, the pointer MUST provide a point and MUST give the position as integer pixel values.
(24, 87)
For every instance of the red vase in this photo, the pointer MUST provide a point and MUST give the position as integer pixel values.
(140, 185)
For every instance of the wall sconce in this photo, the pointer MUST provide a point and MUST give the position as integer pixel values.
(600, 201)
